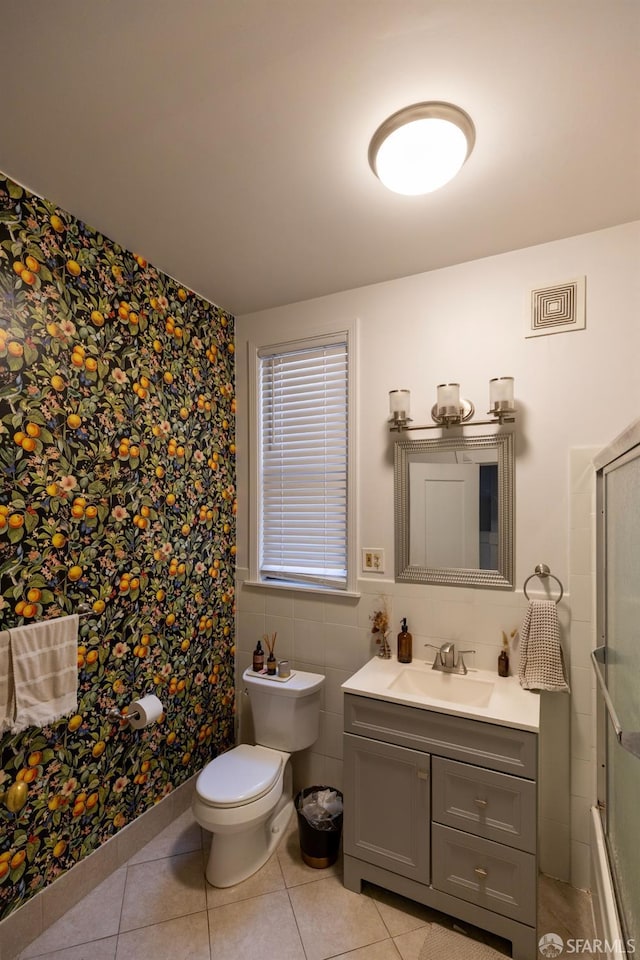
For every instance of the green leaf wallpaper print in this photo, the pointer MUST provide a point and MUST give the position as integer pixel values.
(117, 491)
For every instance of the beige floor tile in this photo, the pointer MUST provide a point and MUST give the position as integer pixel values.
(294, 869)
(382, 950)
(333, 920)
(409, 945)
(154, 894)
(95, 917)
(96, 950)
(185, 938)
(263, 928)
(399, 914)
(267, 880)
(564, 910)
(181, 836)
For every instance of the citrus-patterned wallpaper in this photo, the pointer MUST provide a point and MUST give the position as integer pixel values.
(117, 491)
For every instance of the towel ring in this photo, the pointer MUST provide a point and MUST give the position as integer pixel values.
(543, 571)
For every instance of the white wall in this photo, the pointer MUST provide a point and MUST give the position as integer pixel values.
(573, 390)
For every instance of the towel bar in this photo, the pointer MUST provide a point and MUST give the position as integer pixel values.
(543, 571)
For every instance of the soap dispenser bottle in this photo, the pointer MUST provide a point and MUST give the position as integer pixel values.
(405, 643)
(258, 658)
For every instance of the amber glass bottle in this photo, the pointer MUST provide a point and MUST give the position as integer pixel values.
(405, 643)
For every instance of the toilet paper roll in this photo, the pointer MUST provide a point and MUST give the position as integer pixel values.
(144, 711)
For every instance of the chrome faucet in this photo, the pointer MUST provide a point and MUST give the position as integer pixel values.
(445, 658)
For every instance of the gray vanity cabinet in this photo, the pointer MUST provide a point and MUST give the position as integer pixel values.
(387, 821)
(442, 809)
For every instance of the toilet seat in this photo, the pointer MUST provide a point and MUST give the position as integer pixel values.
(242, 775)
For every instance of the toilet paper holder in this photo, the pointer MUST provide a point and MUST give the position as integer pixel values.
(117, 716)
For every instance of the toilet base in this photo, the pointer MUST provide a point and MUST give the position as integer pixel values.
(236, 856)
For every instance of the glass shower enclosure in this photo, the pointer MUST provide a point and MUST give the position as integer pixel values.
(616, 661)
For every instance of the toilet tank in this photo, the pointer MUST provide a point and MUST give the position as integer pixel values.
(286, 713)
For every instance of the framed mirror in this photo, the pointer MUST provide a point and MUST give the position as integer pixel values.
(454, 511)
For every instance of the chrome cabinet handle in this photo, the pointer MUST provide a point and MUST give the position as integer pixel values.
(480, 803)
(481, 872)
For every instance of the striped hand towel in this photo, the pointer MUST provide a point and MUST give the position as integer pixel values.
(541, 659)
(45, 671)
(7, 700)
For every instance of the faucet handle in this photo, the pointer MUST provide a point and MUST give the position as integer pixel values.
(461, 665)
(466, 651)
(438, 656)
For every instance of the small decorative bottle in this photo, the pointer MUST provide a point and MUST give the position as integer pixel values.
(404, 644)
(258, 658)
(272, 665)
(503, 657)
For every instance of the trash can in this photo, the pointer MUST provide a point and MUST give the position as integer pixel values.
(319, 811)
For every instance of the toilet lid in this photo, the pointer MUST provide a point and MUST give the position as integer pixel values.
(243, 774)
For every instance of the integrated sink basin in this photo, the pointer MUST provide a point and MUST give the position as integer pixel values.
(478, 694)
(451, 687)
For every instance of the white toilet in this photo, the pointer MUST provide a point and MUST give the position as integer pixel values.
(244, 796)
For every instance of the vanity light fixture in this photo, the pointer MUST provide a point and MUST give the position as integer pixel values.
(450, 409)
(420, 148)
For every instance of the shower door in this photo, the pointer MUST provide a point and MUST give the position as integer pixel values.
(617, 664)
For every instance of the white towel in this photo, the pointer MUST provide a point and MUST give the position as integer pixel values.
(7, 699)
(541, 658)
(45, 671)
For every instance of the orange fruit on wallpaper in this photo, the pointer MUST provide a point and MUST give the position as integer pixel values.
(32, 264)
(75, 572)
(59, 848)
(167, 376)
(75, 722)
(15, 349)
(98, 606)
(74, 268)
(28, 444)
(34, 595)
(91, 364)
(18, 266)
(57, 223)
(16, 520)
(17, 859)
(57, 382)
(97, 318)
(58, 540)
(28, 277)
(30, 611)
(98, 749)
(74, 421)
(91, 512)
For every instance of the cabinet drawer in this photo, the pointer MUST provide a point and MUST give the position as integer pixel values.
(491, 875)
(474, 741)
(491, 805)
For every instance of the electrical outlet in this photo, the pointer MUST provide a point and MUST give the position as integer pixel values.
(372, 560)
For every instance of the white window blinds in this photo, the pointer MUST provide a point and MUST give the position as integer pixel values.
(303, 439)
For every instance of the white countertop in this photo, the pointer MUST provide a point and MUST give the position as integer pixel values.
(509, 705)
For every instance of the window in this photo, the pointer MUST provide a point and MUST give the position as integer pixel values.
(302, 469)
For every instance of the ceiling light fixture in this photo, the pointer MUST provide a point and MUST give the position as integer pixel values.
(421, 147)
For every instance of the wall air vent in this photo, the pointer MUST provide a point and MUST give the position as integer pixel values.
(556, 309)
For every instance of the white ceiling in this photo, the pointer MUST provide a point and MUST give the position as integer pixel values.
(226, 140)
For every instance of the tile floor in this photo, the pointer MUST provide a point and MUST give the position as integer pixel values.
(159, 907)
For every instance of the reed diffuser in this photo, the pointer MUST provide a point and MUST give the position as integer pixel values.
(270, 643)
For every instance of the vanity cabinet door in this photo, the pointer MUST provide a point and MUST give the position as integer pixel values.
(386, 806)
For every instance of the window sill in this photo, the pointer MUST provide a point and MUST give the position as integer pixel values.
(300, 588)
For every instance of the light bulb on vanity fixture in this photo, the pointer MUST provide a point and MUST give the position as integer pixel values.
(450, 409)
